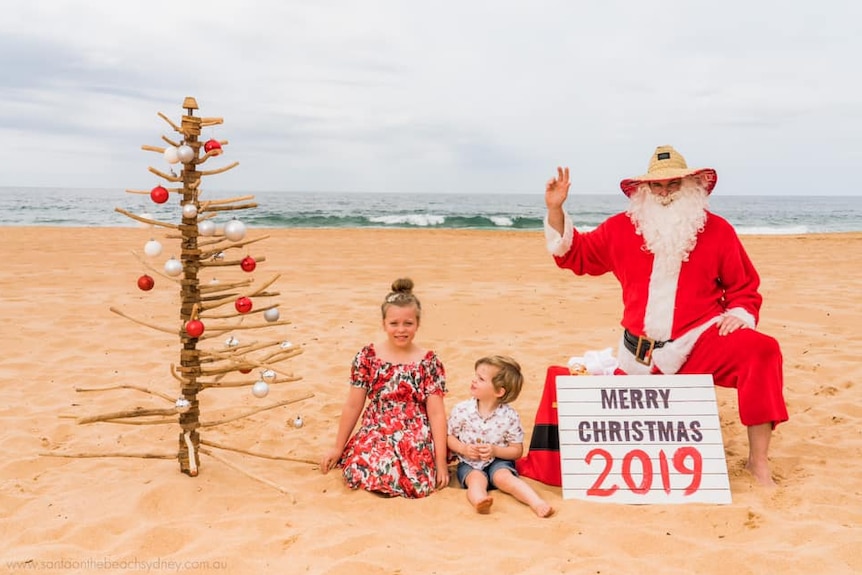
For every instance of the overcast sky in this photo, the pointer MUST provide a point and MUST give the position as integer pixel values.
(445, 96)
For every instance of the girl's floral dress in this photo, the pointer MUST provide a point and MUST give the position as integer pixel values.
(392, 452)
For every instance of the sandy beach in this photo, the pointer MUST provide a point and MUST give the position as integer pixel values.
(482, 292)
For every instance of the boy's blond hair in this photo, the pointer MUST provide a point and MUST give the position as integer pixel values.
(507, 378)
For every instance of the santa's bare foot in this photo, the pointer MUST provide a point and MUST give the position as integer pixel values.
(484, 506)
(761, 473)
(542, 509)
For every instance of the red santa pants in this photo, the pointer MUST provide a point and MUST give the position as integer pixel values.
(751, 362)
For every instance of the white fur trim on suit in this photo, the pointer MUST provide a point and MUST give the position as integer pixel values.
(559, 245)
(661, 300)
(628, 363)
(669, 358)
(740, 313)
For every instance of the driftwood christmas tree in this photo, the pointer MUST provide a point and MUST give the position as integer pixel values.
(215, 317)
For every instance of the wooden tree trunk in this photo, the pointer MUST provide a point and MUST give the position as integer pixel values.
(191, 298)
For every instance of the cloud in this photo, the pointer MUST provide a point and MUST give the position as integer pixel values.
(386, 95)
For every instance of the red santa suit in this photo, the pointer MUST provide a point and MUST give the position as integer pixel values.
(680, 305)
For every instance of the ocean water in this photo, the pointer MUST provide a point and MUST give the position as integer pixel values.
(789, 215)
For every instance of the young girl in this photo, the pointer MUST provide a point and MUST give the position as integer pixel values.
(486, 435)
(400, 446)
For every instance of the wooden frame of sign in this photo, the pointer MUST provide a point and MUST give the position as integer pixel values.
(641, 439)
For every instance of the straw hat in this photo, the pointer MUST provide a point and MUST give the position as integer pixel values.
(668, 164)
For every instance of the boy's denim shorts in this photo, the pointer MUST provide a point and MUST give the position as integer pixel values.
(489, 471)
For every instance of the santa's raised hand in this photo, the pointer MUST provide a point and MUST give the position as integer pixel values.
(557, 189)
(556, 192)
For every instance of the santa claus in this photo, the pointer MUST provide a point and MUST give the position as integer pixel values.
(690, 292)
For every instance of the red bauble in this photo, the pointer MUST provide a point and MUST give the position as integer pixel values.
(212, 145)
(194, 328)
(159, 194)
(146, 283)
(243, 304)
(248, 264)
(245, 370)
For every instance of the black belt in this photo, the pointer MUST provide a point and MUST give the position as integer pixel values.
(642, 347)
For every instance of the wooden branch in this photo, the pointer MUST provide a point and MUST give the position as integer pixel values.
(220, 202)
(256, 454)
(208, 155)
(168, 177)
(265, 285)
(282, 355)
(253, 293)
(145, 422)
(84, 455)
(206, 262)
(127, 386)
(190, 446)
(171, 142)
(205, 122)
(147, 148)
(232, 246)
(234, 384)
(219, 170)
(229, 352)
(215, 373)
(149, 266)
(229, 315)
(149, 221)
(233, 297)
(204, 242)
(168, 120)
(249, 348)
(230, 208)
(138, 412)
(255, 410)
(213, 331)
(144, 323)
(178, 377)
(236, 467)
(246, 349)
(211, 298)
(214, 288)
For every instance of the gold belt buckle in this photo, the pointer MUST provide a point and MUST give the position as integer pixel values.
(647, 355)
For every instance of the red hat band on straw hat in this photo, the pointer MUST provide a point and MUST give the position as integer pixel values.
(668, 164)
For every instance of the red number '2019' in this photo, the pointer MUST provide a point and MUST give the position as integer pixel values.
(680, 459)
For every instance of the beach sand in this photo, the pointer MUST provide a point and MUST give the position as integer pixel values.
(482, 292)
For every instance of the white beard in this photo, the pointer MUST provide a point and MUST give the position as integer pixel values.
(670, 227)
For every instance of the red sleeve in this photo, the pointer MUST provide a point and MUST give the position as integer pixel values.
(739, 278)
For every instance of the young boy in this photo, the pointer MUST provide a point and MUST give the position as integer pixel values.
(485, 433)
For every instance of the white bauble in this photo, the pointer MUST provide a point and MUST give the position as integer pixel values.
(171, 155)
(271, 314)
(260, 389)
(206, 228)
(152, 248)
(183, 405)
(234, 230)
(190, 210)
(173, 267)
(185, 154)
